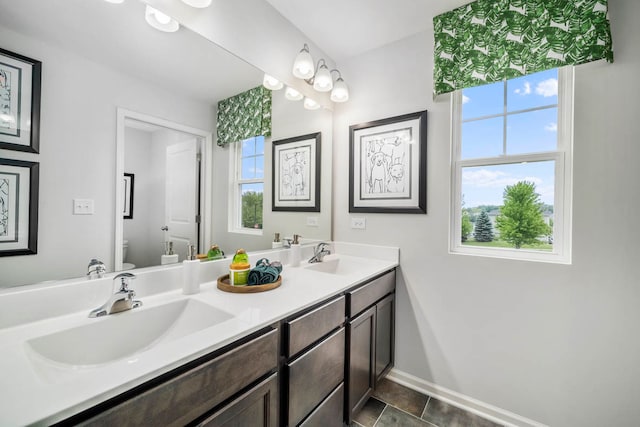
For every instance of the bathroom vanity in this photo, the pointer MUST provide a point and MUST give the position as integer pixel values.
(307, 353)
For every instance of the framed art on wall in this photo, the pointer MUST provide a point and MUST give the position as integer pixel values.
(19, 183)
(388, 165)
(296, 174)
(20, 80)
(128, 182)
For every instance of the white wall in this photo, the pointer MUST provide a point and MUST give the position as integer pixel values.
(554, 343)
(77, 156)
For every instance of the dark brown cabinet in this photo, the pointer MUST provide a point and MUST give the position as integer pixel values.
(370, 338)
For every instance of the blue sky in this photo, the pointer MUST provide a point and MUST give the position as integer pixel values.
(526, 132)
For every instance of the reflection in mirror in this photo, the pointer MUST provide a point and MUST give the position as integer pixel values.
(91, 67)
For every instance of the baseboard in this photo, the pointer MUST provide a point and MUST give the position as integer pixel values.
(493, 413)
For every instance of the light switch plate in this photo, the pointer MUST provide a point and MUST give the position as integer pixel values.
(83, 207)
(359, 222)
(312, 221)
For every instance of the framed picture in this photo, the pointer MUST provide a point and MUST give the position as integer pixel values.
(128, 196)
(20, 79)
(388, 165)
(296, 174)
(19, 183)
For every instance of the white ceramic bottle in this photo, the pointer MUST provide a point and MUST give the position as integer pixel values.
(191, 273)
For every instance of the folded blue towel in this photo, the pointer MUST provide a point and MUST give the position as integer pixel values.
(264, 272)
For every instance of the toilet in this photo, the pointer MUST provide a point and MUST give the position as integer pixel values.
(126, 265)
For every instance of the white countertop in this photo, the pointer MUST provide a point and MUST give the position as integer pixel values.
(35, 391)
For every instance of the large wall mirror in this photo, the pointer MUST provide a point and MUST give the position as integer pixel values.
(116, 95)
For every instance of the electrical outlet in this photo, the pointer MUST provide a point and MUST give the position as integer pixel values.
(83, 207)
(360, 223)
(312, 221)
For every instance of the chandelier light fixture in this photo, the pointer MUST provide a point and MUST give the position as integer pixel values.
(320, 76)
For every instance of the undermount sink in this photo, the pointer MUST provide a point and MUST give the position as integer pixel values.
(337, 265)
(124, 334)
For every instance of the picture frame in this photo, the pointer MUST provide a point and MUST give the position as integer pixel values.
(296, 173)
(388, 165)
(128, 182)
(20, 88)
(19, 187)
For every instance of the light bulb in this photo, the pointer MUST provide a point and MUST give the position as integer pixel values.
(198, 3)
(310, 104)
(322, 81)
(340, 92)
(271, 82)
(292, 95)
(160, 21)
(162, 18)
(303, 65)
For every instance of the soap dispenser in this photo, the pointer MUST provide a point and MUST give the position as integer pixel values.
(168, 257)
(191, 273)
(295, 254)
(277, 243)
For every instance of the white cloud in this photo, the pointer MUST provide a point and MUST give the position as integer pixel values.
(551, 127)
(494, 179)
(465, 99)
(526, 90)
(547, 88)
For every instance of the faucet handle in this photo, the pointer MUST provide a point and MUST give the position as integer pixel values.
(124, 280)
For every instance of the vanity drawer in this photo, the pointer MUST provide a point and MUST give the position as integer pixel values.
(330, 412)
(314, 375)
(310, 327)
(184, 398)
(365, 296)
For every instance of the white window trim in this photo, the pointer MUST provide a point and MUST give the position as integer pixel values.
(235, 213)
(563, 190)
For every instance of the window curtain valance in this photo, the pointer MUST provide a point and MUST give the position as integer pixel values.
(491, 40)
(244, 115)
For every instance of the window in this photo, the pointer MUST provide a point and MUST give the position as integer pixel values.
(511, 168)
(247, 186)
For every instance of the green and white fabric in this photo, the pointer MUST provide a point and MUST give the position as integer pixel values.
(491, 40)
(244, 115)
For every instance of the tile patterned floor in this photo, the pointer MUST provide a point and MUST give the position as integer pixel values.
(395, 405)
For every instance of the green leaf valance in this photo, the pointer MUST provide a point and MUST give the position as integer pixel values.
(244, 115)
(491, 40)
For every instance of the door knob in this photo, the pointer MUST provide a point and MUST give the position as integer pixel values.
(165, 228)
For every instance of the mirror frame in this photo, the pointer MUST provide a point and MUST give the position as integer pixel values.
(205, 178)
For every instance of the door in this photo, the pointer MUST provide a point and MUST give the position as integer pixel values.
(385, 316)
(361, 365)
(182, 195)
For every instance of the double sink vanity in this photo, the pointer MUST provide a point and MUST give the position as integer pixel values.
(306, 353)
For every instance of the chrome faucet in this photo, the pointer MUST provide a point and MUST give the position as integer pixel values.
(319, 252)
(96, 269)
(121, 300)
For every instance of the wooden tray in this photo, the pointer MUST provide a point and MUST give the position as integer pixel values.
(224, 285)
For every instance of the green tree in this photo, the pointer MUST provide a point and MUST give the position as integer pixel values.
(252, 209)
(484, 229)
(467, 227)
(520, 221)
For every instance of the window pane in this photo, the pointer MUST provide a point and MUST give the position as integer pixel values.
(248, 147)
(260, 144)
(483, 190)
(248, 168)
(251, 216)
(535, 90)
(482, 138)
(259, 168)
(532, 132)
(483, 100)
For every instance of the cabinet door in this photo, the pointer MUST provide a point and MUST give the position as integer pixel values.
(385, 314)
(362, 341)
(257, 407)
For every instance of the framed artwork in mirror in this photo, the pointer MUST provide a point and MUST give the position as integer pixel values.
(128, 181)
(388, 165)
(19, 184)
(20, 84)
(296, 174)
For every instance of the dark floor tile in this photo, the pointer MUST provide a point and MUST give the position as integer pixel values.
(444, 415)
(394, 417)
(401, 397)
(370, 412)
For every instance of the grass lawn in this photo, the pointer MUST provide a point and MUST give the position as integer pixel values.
(502, 244)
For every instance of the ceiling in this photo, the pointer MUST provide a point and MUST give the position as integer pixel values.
(117, 36)
(346, 28)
